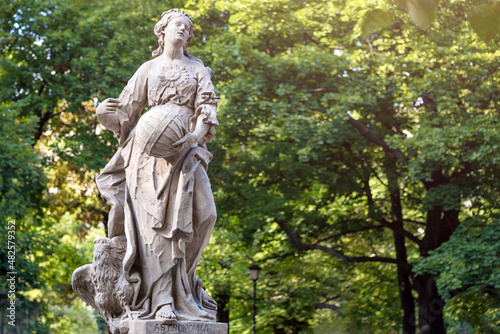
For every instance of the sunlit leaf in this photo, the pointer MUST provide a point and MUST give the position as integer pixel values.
(421, 12)
(376, 20)
(485, 21)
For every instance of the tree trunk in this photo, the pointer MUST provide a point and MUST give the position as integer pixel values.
(403, 268)
(222, 310)
(440, 225)
(431, 305)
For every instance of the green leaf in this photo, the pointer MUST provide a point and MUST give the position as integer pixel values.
(376, 20)
(485, 21)
(421, 12)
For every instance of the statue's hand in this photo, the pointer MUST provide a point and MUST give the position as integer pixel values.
(196, 136)
(106, 113)
(188, 139)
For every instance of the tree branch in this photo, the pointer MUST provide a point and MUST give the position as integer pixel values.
(338, 235)
(405, 232)
(413, 222)
(371, 49)
(395, 153)
(368, 190)
(305, 247)
(41, 125)
(308, 37)
(325, 306)
(269, 51)
(372, 259)
(277, 256)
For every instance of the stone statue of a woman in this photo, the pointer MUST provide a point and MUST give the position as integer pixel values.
(163, 208)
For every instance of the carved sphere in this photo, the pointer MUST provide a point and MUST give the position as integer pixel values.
(158, 129)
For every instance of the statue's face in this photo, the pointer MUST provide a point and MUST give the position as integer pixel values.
(177, 30)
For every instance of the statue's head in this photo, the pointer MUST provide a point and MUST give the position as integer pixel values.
(166, 18)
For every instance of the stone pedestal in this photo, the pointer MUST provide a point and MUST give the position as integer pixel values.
(188, 327)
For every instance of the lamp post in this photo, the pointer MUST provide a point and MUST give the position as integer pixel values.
(254, 276)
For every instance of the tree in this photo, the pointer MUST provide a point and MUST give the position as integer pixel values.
(52, 72)
(330, 136)
(21, 185)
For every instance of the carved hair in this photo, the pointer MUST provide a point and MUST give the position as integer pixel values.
(166, 17)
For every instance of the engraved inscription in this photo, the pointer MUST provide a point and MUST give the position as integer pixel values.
(182, 328)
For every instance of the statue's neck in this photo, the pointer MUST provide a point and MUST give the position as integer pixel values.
(173, 52)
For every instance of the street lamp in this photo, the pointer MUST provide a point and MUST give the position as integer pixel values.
(254, 276)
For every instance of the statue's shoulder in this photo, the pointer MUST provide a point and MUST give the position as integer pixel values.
(200, 68)
(142, 72)
(146, 66)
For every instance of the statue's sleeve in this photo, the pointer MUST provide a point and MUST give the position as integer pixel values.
(206, 103)
(133, 99)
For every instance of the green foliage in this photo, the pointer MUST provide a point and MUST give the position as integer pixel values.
(468, 273)
(470, 257)
(21, 176)
(291, 153)
(476, 310)
(21, 189)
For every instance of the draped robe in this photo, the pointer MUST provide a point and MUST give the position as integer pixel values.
(164, 206)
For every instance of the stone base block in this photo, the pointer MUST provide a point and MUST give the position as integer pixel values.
(188, 327)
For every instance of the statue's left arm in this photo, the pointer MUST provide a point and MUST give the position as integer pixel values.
(205, 105)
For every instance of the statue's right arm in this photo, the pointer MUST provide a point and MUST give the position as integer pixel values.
(120, 115)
